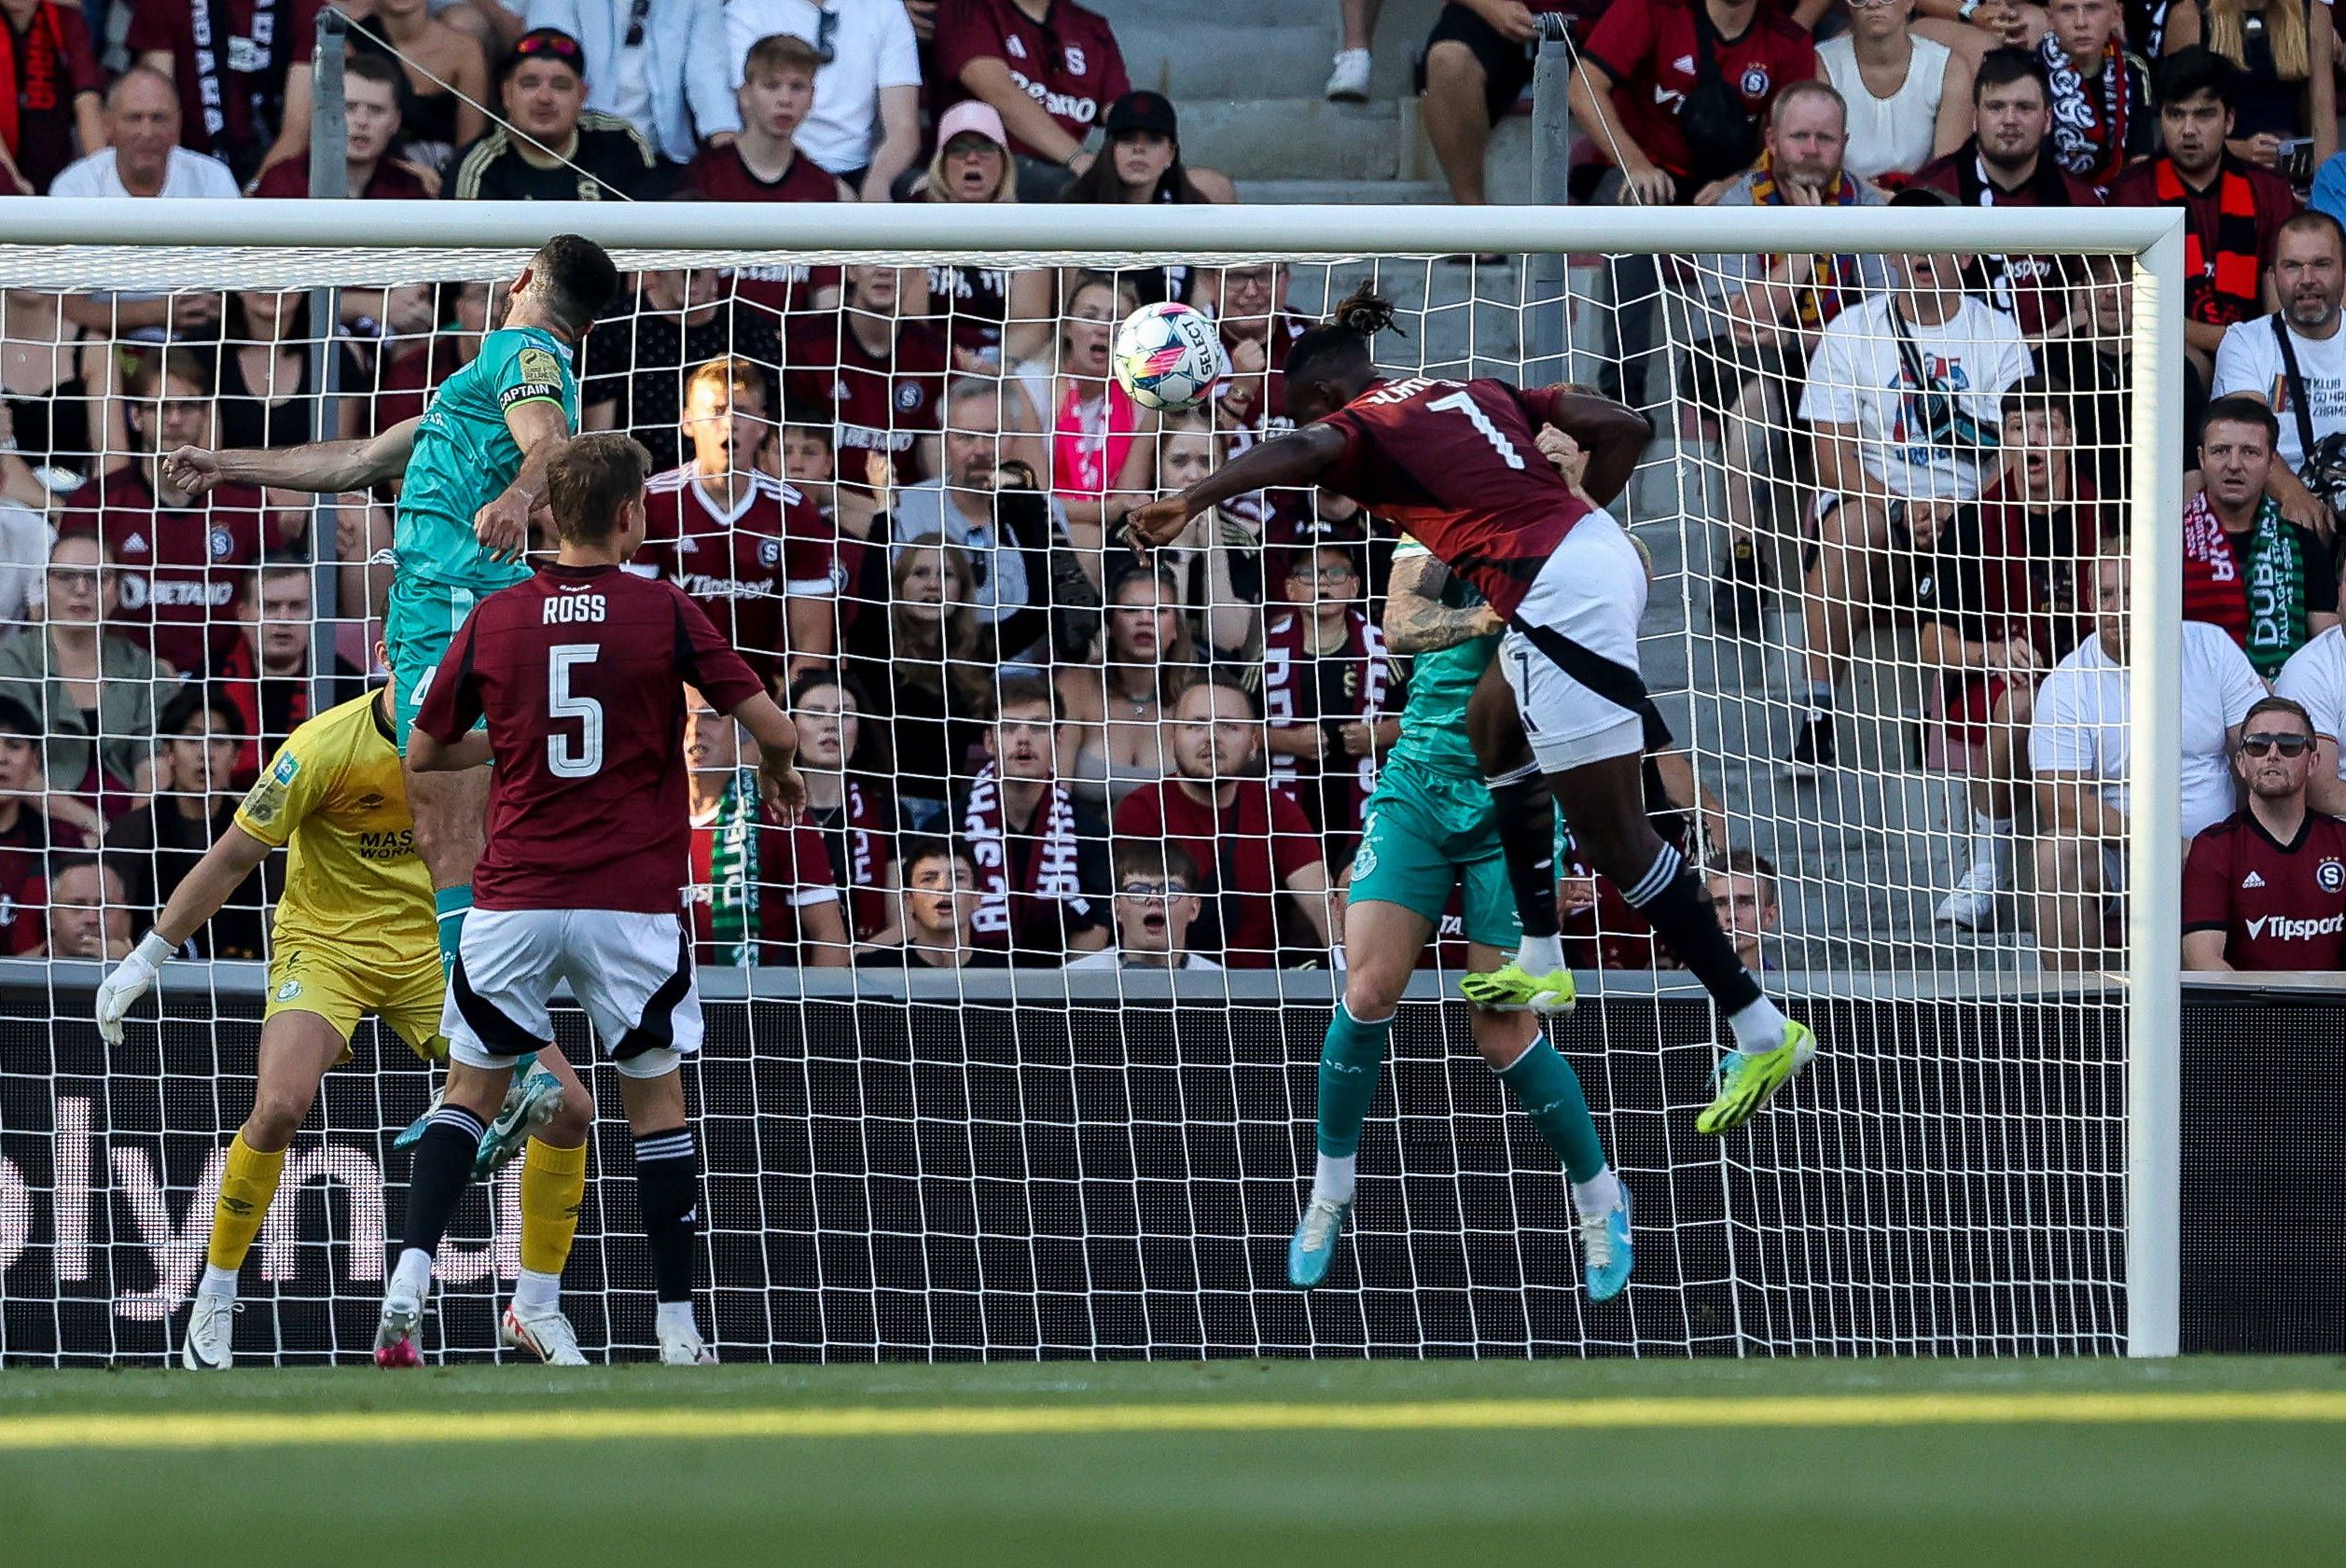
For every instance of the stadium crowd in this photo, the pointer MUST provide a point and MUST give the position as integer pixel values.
(899, 490)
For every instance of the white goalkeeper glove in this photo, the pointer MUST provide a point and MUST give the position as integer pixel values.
(128, 983)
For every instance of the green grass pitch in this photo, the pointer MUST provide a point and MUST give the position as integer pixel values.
(1986, 1465)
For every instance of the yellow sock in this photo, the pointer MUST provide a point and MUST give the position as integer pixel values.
(246, 1187)
(553, 1185)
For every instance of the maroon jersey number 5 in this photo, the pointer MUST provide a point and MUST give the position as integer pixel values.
(580, 674)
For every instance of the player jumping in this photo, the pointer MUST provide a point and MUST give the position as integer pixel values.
(580, 674)
(352, 934)
(1429, 826)
(471, 468)
(1457, 466)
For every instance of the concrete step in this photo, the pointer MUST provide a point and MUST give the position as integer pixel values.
(1344, 192)
(1293, 138)
(1234, 61)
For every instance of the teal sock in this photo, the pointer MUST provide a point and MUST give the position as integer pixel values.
(1349, 1064)
(451, 905)
(1544, 1085)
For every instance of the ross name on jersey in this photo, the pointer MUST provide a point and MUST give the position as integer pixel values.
(568, 609)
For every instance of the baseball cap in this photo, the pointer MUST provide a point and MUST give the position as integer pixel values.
(544, 42)
(1142, 111)
(972, 116)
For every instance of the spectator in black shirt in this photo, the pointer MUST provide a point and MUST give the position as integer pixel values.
(940, 913)
(554, 148)
(636, 363)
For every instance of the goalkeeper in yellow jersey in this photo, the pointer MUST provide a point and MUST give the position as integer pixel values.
(353, 933)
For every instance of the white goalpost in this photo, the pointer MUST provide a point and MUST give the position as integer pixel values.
(1021, 1160)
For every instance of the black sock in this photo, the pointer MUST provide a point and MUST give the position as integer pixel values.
(1526, 815)
(442, 1171)
(1674, 902)
(668, 1189)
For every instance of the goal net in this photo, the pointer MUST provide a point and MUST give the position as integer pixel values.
(953, 1103)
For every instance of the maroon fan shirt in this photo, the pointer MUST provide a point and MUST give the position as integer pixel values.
(25, 847)
(1068, 63)
(1245, 852)
(719, 175)
(215, 72)
(738, 565)
(1456, 466)
(289, 180)
(2034, 289)
(1647, 47)
(51, 63)
(580, 672)
(2280, 906)
(177, 567)
(885, 401)
(793, 873)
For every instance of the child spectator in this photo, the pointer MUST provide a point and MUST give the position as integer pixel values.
(1742, 888)
(864, 125)
(940, 901)
(1157, 903)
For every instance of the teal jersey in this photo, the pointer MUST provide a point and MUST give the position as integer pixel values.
(465, 456)
(1433, 719)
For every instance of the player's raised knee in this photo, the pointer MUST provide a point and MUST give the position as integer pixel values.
(569, 1126)
(277, 1117)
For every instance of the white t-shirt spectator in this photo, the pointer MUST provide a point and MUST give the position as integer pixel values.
(188, 173)
(2080, 725)
(872, 47)
(1858, 377)
(2315, 679)
(2249, 360)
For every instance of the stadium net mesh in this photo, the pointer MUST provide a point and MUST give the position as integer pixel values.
(1882, 508)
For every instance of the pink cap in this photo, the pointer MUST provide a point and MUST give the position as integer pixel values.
(972, 114)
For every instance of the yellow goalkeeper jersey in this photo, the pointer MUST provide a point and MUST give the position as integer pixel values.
(354, 882)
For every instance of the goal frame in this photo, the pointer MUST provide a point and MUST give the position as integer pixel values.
(2152, 239)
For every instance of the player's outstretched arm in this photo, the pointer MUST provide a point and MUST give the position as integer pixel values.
(1297, 458)
(221, 871)
(319, 467)
(1613, 435)
(1416, 620)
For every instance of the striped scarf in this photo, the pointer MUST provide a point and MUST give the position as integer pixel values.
(2253, 585)
(1290, 667)
(34, 78)
(1051, 873)
(733, 882)
(2089, 141)
(2220, 288)
(863, 824)
(1833, 281)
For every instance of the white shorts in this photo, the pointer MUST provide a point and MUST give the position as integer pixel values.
(632, 972)
(1571, 651)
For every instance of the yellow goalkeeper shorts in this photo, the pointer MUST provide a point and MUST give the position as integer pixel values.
(315, 979)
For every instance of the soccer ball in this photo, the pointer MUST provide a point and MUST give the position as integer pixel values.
(1168, 357)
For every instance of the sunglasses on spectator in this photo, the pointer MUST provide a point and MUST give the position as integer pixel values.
(2288, 745)
(1153, 890)
(532, 46)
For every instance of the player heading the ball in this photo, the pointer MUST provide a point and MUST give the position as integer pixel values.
(580, 674)
(1457, 466)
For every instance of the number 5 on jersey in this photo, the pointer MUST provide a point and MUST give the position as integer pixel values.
(586, 760)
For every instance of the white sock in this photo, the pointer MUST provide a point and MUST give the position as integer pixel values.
(1759, 1027)
(1601, 1194)
(1991, 843)
(676, 1317)
(1332, 1178)
(1541, 955)
(411, 1279)
(536, 1292)
(218, 1281)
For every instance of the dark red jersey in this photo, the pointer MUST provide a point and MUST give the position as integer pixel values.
(2034, 289)
(739, 562)
(177, 568)
(288, 180)
(580, 672)
(719, 175)
(750, 879)
(1068, 61)
(2280, 906)
(1245, 852)
(1455, 465)
(1647, 47)
(50, 65)
(884, 401)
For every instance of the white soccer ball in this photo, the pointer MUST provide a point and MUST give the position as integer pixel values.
(1168, 357)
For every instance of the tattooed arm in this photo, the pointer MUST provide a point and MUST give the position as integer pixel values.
(1416, 620)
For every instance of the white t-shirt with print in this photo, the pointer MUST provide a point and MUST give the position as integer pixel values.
(2080, 724)
(1858, 377)
(2249, 360)
(2315, 679)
